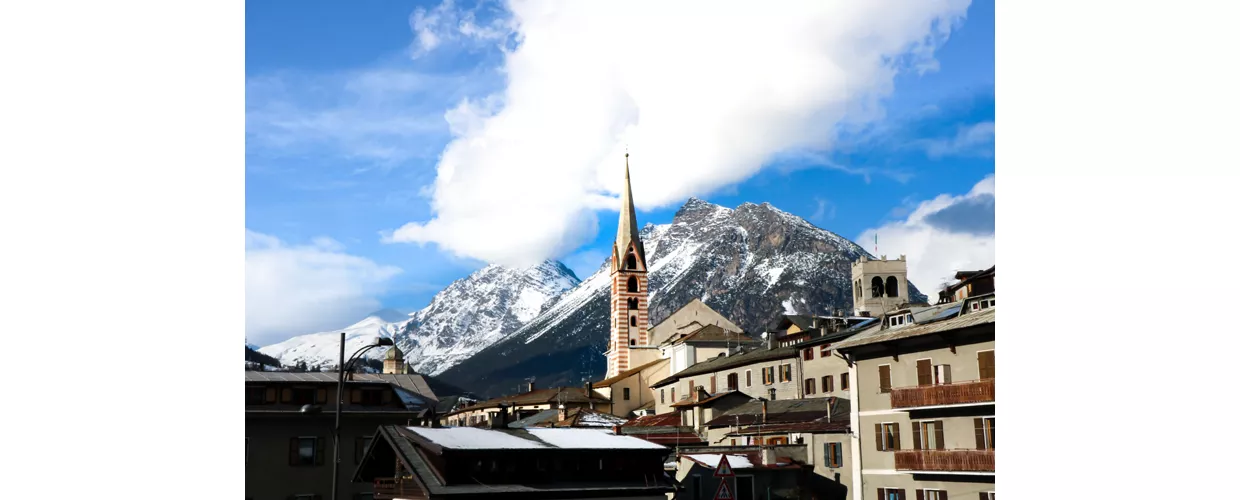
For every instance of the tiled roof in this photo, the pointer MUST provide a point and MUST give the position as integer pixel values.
(626, 374)
(575, 417)
(785, 411)
(712, 333)
(757, 355)
(539, 396)
(879, 335)
(664, 419)
(711, 399)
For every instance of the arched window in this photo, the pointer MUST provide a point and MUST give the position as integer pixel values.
(633, 283)
(630, 262)
(632, 303)
(876, 287)
(632, 320)
(633, 341)
(893, 287)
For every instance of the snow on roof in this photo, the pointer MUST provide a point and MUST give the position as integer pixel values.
(590, 439)
(712, 460)
(472, 438)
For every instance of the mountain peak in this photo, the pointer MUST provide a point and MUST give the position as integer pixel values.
(695, 205)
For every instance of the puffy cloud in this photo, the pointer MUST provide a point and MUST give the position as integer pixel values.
(942, 236)
(308, 288)
(702, 94)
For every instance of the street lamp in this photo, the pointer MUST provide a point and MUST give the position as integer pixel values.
(343, 367)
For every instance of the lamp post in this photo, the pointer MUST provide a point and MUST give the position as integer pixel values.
(344, 366)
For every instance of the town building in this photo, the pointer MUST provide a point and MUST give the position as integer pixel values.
(756, 474)
(879, 285)
(526, 404)
(528, 464)
(924, 402)
(569, 417)
(763, 372)
(289, 451)
(629, 343)
(969, 284)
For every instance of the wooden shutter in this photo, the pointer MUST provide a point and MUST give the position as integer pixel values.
(895, 430)
(916, 435)
(979, 432)
(270, 396)
(844, 381)
(292, 451)
(881, 495)
(921, 494)
(712, 384)
(318, 450)
(900, 494)
(748, 378)
(878, 437)
(884, 378)
(924, 376)
(286, 395)
(938, 435)
(986, 364)
(942, 494)
(355, 395)
(320, 396)
(982, 496)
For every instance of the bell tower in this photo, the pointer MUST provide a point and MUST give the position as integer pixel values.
(628, 286)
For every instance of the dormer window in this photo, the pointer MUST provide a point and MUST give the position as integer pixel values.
(978, 305)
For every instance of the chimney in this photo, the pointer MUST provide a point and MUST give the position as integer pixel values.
(770, 340)
(563, 412)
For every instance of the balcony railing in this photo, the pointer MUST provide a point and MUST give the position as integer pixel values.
(978, 391)
(946, 460)
(387, 487)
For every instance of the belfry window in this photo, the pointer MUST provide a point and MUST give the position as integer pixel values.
(632, 303)
(893, 287)
(633, 283)
(630, 262)
(876, 287)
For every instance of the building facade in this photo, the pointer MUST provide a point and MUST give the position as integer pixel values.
(879, 284)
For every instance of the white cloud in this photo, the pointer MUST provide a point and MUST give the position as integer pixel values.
(978, 138)
(293, 290)
(702, 93)
(824, 212)
(935, 251)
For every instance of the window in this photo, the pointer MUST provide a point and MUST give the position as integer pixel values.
(843, 381)
(768, 375)
(942, 374)
(893, 287)
(673, 394)
(626, 393)
(632, 303)
(785, 373)
(303, 396)
(833, 453)
(254, 395)
(632, 320)
(630, 262)
(305, 450)
(986, 364)
(928, 435)
(925, 372)
(931, 495)
(712, 384)
(369, 397)
(748, 378)
(810, 386)
(632, 284)
(876, 287)
(661, 400)
(733, 382)
(984, 432)
(360, 448)
(986, 495)
(632, 342)
(824, 351)
(884, 378)
(828, 384)
(890, 494)
(771, 393)
(888, 434)
(808, 354)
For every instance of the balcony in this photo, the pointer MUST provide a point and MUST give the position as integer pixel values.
(946, 460)
(392, 488)
(978, 391)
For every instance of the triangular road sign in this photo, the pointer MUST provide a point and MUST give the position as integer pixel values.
(724, 469)
(723, 493)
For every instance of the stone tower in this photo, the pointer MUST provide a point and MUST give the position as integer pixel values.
(879, 285)
(394, 361)
(628, 286)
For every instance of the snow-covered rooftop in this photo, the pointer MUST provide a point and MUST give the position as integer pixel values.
(590, 439)
(472, 438)
(712, 460)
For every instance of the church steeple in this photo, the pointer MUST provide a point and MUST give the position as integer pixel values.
(626, 232)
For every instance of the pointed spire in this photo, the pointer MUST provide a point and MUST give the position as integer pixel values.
(627, 230)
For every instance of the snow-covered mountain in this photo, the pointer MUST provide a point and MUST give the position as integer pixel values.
(470, 314)
(752, 264)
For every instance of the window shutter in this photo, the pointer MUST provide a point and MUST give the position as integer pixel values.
(878, 437)
(712, 384)
(270, 396)
(318, 451)
(884, 378)
(355, 395)
(895, 429)
(880, 494)
(921, 494)
(321, 396)
(986, 364)
(916, 435)
(979, 432)
(942, 494)
(938, 435)
(900, 494)
(286, 395)
(292, 451)
(982, 496)
(923, 372)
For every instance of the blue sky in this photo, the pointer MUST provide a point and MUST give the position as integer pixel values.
(346, 126)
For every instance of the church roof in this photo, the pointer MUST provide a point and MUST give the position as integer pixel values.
(626, 233)
(394, 353)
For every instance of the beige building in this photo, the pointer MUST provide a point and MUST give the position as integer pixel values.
(924, 403)
(765, 372)
(879, 285)
(630, 391)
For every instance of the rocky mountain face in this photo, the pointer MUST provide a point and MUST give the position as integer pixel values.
(752, 264)
(470, 314)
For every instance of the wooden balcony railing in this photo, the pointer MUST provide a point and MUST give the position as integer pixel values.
(388, 487)
(978, 391)
(946, 460)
